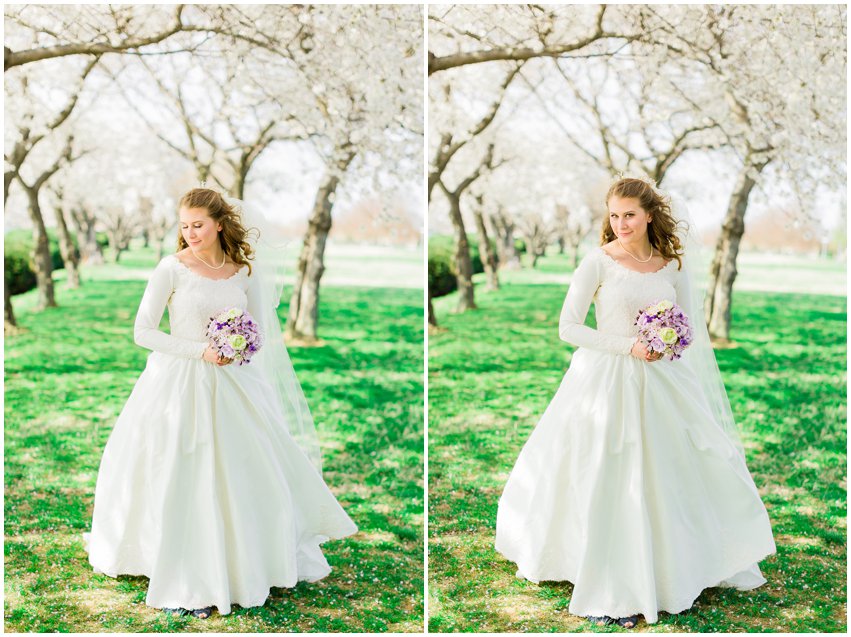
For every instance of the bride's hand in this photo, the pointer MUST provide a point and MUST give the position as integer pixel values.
(640, 351)
(212, 356)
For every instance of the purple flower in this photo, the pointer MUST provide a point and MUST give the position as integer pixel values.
(234, 334)
(664, 327)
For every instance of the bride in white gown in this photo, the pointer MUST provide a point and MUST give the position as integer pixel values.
(633, 485)
(210, 483)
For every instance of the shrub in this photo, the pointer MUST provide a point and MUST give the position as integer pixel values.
(18, 247)
(441, 268)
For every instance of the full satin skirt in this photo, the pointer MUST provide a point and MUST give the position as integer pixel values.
(202, 490)
(628, 489)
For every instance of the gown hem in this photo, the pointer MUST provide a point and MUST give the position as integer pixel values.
(620, 613)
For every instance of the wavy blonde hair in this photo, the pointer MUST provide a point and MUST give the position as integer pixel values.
(662, 232)
(232, 236)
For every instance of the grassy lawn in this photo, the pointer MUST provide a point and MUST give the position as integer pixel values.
(68, 374)
(491, 374)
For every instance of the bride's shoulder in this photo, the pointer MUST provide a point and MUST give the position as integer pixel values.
(166, 261)
(180, 256)
(610, 251)
(595, 251)
(609, 247)
(591, 262)
(170, 264)
(597, 254)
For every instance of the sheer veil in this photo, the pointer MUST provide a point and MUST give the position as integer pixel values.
(273, 358)
(700, 356)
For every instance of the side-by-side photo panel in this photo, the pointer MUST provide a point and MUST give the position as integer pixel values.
(254, 462)
(674, 459)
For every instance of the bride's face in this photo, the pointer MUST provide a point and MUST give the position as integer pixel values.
(628, 219)
(198, 229)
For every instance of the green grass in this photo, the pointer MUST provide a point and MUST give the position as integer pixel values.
(492, 372)
(364, 386)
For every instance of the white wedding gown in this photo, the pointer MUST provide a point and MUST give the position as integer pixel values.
(627, 487)
(201, 488)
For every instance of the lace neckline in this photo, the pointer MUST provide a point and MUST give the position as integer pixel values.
(623, 267)
(201, 276)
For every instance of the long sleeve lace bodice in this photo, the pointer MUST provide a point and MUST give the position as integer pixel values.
(191, 300)
(618, 294)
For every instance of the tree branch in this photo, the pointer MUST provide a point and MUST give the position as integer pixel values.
(12, 59)
(447, 148)
(521, 53)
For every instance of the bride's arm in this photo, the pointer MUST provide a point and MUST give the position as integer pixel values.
(146, 332)
(571, 325)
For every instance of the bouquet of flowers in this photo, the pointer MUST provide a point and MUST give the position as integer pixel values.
(664, 328)
(235, 334)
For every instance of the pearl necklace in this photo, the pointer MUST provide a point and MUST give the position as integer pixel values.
(213, 267)
(635, 257)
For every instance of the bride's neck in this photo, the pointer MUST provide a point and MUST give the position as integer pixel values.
(213, 256)
(641, 251)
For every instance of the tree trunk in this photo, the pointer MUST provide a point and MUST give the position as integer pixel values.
(534, 248)
(506, 250)
(575, 257)
(239, 183)
(160, 232)
(9, 312)
(303, 314)
(42, 261)
(561, 243)
(541, 246)
(432, 319)
(486, 253)
(69, 252)
(532, 251)
(463, 264)
(95, 251)
(90, 251)
(723, 271)
(8, 177)
(433, 178)
(115, 246)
